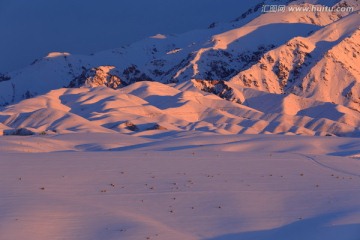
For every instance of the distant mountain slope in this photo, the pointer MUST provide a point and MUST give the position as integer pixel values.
(221, 53)
(31, 29)
(321, 66)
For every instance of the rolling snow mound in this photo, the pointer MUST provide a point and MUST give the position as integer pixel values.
(148, 106)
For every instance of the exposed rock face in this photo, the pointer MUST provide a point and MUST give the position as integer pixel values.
(131, 126)
(99, 76)
(217, 87)
(133, 74)
(4, 77)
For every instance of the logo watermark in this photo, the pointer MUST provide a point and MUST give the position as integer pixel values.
(284, 8)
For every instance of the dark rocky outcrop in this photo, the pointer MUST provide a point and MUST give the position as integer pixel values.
(98, 76)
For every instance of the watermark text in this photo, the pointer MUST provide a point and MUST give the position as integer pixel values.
(293, 8)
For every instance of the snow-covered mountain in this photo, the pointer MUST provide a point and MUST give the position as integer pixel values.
(284, 72)
(182, 137)
(322, 66)
(31, 29)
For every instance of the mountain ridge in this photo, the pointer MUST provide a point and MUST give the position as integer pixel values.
(304, 67)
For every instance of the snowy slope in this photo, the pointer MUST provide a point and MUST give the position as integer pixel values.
(31, 29)
(146, 106)
(189, 136)
(203, 187)
(222, 52)
(288, 73)
(321, 66)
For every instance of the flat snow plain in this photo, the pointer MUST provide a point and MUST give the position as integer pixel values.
(173, 185)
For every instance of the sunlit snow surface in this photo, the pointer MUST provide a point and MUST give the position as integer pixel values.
(167, 185)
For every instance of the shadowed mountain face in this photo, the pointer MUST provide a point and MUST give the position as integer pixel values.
(278, 72)
(31, 29)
